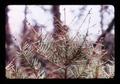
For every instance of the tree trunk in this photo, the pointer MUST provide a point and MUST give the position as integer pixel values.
(56, 21)
(24, 22)
(101, 15)
(107, 39)
(8, 38)
(108, 30)
(59, 29)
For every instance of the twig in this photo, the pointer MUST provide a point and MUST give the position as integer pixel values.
(10, 63)
(81, 24)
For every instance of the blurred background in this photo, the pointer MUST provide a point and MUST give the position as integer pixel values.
(32, 23)
(72, 15)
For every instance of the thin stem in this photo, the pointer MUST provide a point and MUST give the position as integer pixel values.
(81, 24)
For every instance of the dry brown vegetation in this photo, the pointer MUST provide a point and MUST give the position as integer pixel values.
(47, 58)
(44, 57)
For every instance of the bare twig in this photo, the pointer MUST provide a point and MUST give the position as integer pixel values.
(81, 24)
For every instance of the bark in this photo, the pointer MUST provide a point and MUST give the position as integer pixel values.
(24, 22)
(108, 30)
(101, 15)
(107, 39)
(7, 30)
(8, 38)
(59, 29)
(56, 21)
